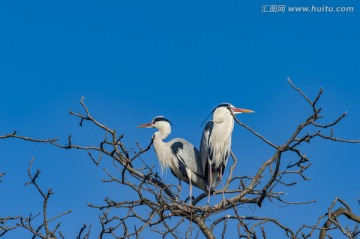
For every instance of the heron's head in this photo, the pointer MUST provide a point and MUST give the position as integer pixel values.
(225, 110)
(159, 122)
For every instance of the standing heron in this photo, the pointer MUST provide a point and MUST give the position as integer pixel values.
(178, 154)
(216, 143)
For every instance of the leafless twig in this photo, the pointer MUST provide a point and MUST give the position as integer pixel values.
(156, 207)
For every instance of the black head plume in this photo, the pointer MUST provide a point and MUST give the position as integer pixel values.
(161, 118)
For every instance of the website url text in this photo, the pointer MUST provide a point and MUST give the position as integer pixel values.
(312, 8)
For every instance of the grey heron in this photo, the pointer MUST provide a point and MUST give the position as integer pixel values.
(215, 143)
(179, 155)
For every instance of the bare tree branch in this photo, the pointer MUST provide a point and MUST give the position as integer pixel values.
(157, 207)
(333, 216)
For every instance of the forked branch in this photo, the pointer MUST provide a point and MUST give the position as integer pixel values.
(157, 206)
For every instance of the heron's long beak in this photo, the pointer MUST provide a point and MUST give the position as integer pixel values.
(148, 125)
(240, 110)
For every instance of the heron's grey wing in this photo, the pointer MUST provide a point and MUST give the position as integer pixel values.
(188, 156)
(205, 147)
(176, 148)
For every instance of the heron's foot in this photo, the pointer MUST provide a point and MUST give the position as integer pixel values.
(191, 199)
(224, 201)
(223, 198)
(208, 201)
(210, 190)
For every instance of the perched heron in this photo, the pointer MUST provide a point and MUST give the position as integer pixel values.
(215, 143)
(178, 154)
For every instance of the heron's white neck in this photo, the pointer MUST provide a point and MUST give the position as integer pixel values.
(164, 131)
(227, 125)
(161, 148)
(223, 116)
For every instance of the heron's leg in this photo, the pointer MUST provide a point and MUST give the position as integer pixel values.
(222, 186)
(189, 174)
(179, 188)
(210, 182)
(190, 186)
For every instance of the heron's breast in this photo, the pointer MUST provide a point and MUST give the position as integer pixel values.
(220, 143)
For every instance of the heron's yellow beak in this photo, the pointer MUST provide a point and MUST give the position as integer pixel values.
(240, 110)
(148, 125)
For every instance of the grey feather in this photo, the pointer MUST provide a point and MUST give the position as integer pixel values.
(188, 158)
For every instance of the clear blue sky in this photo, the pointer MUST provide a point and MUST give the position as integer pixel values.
(133, 60)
